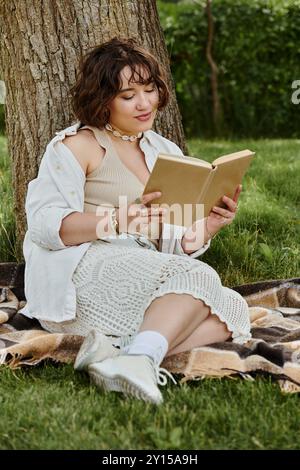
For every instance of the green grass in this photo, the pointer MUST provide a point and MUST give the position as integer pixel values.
(7, 220)
(263, 241)
(54, 407)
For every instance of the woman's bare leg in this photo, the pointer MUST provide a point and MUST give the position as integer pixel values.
(175, 316)
(211, 330)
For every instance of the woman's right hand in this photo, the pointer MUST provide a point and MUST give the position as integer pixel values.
(137, 218)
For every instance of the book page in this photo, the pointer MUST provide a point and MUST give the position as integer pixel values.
(225, 178)
(198, 161)
(186, 159)
(232, 156)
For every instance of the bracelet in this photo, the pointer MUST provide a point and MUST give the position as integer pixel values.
(113, 221)
(211, 236)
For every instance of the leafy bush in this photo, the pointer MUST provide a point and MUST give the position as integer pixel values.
(257, 49)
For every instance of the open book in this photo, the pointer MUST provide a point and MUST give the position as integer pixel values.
(191, 187)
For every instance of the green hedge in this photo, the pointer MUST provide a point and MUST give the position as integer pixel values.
(257, 49)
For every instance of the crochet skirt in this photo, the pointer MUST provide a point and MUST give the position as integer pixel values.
(116, 281)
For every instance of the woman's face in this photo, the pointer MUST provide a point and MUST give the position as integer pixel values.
(134, 108)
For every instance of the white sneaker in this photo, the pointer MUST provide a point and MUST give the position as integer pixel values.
(95, 348)
(132, 375)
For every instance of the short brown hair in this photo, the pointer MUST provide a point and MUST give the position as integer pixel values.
(99, 81)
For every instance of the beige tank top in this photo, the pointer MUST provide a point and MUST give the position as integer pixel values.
(110, 179)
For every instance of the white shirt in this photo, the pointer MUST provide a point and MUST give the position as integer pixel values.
(58, 191)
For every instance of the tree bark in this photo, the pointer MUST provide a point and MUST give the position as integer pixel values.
(41, 42)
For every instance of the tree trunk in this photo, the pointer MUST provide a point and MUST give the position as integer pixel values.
(214, 69)
(41, 41)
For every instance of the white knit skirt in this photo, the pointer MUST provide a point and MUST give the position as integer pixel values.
(116, 282)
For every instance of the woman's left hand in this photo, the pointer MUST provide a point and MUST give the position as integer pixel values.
(219, 217)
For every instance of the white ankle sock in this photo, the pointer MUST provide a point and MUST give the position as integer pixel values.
(149, 343)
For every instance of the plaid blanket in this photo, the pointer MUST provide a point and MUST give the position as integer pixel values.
(273, 349)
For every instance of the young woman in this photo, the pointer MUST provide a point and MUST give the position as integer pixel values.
(109, 270)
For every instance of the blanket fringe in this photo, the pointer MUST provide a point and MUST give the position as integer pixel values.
(286, 386)
(3, 356)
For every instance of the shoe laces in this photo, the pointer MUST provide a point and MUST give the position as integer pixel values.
(162, 375)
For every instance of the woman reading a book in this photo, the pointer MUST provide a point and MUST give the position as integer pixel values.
(99, 263)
